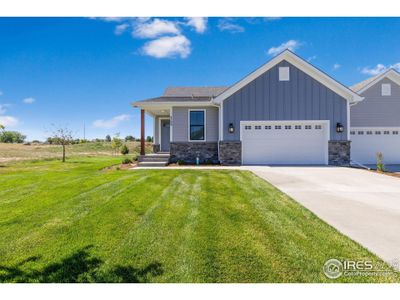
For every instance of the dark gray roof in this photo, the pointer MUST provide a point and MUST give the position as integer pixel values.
(175, 99)
(184, 91)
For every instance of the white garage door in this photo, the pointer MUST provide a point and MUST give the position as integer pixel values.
(285, 142)
(366, 142)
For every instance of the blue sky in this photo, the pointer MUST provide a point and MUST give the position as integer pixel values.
(68, 71)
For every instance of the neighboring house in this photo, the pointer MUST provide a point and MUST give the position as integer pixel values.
(285, 112)
(375, 122)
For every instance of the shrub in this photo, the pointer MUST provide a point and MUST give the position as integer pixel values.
(126, 161)
(180, 162)
(379, 162)
(124, 150)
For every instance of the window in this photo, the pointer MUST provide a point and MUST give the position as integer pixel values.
(352, 132)
(369, 132)
(377, 132)
(297, 126)
(284, 74)
(197, 128)
(360, 132)
(257, 127)
(395, 132)
(278, 127)
(307, 127)
(267, 127)
(288, 127)
(247, 127)
(386, 132)
(318, 126)
(386, 89)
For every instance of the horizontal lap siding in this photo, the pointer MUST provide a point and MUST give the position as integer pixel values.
(180, 123)
(301, 98)
(377, 110)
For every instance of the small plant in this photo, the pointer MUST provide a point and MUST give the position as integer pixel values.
(124, 150)
(126, 161)
(180, 162)
(379, 162)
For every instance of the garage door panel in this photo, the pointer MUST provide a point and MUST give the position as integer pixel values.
(293, 144)
(367, 142)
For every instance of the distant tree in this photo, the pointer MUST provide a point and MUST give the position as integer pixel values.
(129, 138)
(149, 139)
(11, 137)
(2, 127)
(116, 143)
(62, 136)
(108, 138)
(124, 150)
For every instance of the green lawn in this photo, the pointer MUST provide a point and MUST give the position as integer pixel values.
(74, 222)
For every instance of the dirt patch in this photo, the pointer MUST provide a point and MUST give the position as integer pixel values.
(120, 167)
(386, 173)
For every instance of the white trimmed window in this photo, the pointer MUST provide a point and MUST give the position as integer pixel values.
(284, 74)
(386, 89)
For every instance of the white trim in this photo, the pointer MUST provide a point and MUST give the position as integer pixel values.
(348, 121)
(167, 105)
(154, 129)
(284, 74)
(205, 124)
(386, 89)
(159, 129)
(391, 74)
(171, 121)
(299, 63)
(327, 124)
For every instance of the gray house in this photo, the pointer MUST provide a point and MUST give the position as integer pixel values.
(375, 122)
(285, 112)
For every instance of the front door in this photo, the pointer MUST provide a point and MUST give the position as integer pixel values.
(165, 127)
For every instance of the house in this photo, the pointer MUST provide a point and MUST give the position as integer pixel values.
(375, 122)
(285, 112)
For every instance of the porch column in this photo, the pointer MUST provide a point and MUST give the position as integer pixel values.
(142, 145)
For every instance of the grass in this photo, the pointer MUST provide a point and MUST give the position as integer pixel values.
(17, 152)
(75, 222)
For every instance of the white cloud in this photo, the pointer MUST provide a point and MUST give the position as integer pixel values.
(8, 121)
(29, 100)
(228, 25)
(155, 28)
(168, 46)
(292, 45)
(379, 68)
(111, 123)
(120, 29)
(198, 23)
(311, 58)
(3, 108)
(336, 66)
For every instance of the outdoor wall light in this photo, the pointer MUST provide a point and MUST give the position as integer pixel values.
(231, 128)
(339, 127)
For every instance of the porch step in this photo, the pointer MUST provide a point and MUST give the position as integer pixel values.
(152, 164)
(154, 158)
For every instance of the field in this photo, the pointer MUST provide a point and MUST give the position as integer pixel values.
(16, 152)
(81, 222)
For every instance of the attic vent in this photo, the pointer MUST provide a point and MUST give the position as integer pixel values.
(283, 73)
(386, 89)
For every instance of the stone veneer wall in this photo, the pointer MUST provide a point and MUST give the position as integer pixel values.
(339, 153)
(188, 151)
(230, 152)
(156, 148)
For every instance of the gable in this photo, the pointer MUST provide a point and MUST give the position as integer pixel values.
(299, 63)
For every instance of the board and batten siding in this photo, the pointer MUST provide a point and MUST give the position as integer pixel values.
(377, 110)
(300, 98)
(180, 123)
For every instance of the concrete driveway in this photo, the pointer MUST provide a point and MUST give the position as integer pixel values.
(363, 205)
